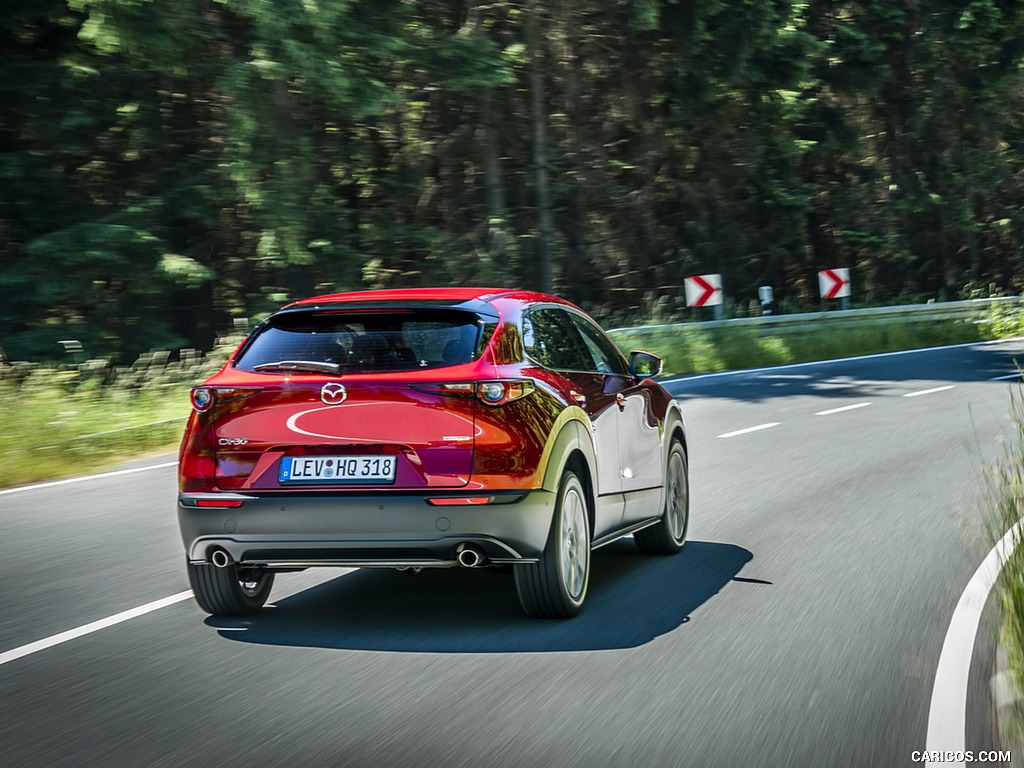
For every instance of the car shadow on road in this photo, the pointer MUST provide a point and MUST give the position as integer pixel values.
(632, 599)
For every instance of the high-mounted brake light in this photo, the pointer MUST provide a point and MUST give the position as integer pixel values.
(203, 398)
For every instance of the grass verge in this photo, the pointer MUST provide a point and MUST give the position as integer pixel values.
(699, 349)
(54, 432)
(59, 422)
(1004, 507)
(1004, 500)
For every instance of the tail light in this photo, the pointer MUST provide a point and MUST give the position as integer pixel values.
(493, 392)
(496, 393)
(204, 398)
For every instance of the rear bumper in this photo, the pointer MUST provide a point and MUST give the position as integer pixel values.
(363, 530)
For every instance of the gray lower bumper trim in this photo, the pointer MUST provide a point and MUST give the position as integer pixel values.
(394, 532)
(386, 563)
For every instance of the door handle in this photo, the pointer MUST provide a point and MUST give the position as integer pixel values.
(621, 400)
(581, 399)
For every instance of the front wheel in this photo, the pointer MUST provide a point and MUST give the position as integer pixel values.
(667, 536)
(554, 587)
(230, 591)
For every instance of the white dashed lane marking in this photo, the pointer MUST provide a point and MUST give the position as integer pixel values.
(88, 629)
(830, 411)
(751, 429)
(844, 408)
(929, 391)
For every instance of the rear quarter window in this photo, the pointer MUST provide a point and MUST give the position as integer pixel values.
(550, 339)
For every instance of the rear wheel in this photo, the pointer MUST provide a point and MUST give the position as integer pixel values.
(667, 536)
(554, 587)
(230, 591)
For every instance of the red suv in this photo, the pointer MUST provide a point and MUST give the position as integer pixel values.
(428, 428)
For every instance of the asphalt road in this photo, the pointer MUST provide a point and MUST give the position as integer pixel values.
(801, 625)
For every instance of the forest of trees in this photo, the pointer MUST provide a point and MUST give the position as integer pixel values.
(168, 165)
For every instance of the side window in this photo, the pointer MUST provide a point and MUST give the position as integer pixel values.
(550, 338)
(606, 357)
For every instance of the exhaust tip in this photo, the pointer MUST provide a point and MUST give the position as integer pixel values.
(220, 558)
(469, 556)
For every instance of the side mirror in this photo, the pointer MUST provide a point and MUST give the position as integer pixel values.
(643, 365)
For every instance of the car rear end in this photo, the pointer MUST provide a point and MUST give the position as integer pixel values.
(366, 433)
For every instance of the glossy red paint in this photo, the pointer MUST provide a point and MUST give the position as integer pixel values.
(436, 437)
(432, 435)
(440, 440)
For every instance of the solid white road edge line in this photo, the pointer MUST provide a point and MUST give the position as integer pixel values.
(751, 429)
(947, 715)
(96, 626)
(930, 391)
(83, 478)
(844, 408)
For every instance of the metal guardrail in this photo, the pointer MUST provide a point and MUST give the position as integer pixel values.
(805, 322)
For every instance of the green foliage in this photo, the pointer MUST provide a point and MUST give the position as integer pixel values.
(59, 423)
(698, 349)
(166, 166)
(1003, 507)
(1004, 322)
(66, 419)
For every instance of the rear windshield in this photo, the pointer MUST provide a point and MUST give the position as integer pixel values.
(386, 340)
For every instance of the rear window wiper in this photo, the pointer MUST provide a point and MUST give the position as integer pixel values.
(303, 366)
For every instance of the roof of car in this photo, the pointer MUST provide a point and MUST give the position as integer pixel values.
(452, 294)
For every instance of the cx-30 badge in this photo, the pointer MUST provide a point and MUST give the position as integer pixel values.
(333, 394)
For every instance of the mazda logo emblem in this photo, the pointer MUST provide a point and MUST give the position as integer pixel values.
(333, 394)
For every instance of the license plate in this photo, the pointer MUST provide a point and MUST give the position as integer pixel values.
(337, 469)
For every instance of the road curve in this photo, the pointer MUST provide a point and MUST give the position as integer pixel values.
(834, 526)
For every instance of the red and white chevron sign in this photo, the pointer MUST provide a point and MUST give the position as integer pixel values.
(834, 283)
(703, 290)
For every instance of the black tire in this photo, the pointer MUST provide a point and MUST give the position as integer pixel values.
(555, 587)
(229, 591)
(667, 536)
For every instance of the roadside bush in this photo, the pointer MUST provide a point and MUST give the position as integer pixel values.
(63, 420)
(1004, 502)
